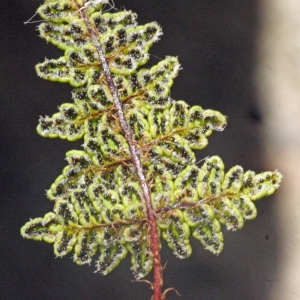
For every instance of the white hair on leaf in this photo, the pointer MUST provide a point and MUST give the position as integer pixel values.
(93, 3)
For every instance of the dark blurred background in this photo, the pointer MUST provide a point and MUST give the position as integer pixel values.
(216, 43)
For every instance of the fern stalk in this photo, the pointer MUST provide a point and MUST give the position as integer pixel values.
(157, 274)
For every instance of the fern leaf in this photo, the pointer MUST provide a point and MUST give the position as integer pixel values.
(99, 207)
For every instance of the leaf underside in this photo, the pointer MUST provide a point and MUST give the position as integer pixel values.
(98, 204)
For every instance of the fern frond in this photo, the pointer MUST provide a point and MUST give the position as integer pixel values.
(99, 203)
(104, 209)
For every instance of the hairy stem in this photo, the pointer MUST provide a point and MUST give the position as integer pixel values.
(192, 205)
(157, 270)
